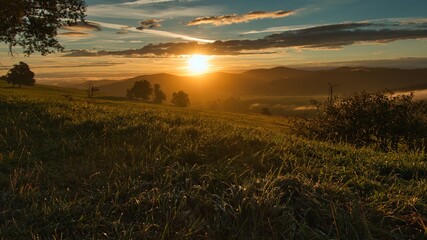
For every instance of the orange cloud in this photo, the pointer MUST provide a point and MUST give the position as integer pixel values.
(83, 26)
(235, 18)
(75, 34)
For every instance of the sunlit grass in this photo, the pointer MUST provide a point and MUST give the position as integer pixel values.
(75, 168)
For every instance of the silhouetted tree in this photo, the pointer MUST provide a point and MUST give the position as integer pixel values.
(20, 74)
(180, 99)
(34, 24)
(159, 95)
(141, 89)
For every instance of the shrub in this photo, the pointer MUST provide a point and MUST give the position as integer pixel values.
(382, 119)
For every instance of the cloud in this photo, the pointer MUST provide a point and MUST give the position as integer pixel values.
(78, 65)
(123, 29)
(385, 22)
(144, 2)
(83, 26)
(235, 18)
(79, 30)
(149, 24)
(75, 34)
(331, 36)
(117, 11)
(281, 29)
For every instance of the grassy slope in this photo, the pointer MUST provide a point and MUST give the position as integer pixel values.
(78, 168)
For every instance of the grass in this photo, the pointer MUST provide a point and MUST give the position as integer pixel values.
(78, 168)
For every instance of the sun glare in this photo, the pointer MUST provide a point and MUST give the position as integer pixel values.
(198, 64)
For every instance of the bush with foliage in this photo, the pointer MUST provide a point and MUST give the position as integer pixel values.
(382, 119)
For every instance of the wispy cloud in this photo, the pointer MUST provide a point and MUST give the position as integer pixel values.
(80, 30)
(82, 26)
(74, 34)
(384, 22)
(236, 18)
(149, 24)
(116, 11)
(125, 29)
(144, 2)
(333, 36)
(281, 29)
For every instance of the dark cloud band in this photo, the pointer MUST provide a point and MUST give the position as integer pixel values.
(328, 36)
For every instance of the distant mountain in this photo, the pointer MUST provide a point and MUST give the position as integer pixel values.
(279, 81)
(347, 80)
(277, 73)
(205, 87)
(85, 85)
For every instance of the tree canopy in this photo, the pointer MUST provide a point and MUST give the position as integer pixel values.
(34, 24)
(180, 99)
(141, 89)
(159, 95)
(20, 74)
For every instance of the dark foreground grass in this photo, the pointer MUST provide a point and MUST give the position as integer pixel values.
(73, 169)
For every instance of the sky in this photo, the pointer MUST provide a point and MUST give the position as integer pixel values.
(126, 38)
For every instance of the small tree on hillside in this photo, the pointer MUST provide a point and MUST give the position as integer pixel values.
(180, 99)
(20, 74)
(159, 95)
(141, 89)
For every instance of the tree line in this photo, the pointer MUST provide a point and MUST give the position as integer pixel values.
(143, 90)
(21, 74)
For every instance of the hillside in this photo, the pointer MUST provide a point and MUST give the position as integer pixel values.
(78, 168)
(205, 87)
(347, 80)
(280, 81)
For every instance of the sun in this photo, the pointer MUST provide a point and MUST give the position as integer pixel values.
(198, 64)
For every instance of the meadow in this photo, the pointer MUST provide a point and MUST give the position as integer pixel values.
(104, 168)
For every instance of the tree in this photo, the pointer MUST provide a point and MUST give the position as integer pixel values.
(20, 74)
(141, 89)
(159, 95)
(34, 24)
(180, 99)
